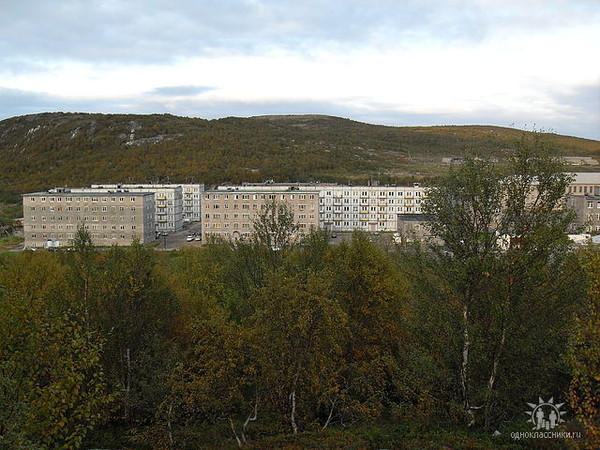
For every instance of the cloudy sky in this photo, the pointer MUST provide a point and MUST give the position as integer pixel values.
(395, 62)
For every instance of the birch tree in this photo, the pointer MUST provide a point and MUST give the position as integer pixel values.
(503, 260)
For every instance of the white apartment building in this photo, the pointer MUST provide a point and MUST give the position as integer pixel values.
(347, 208)
(367, 208)
(168, 200)
(192, 202)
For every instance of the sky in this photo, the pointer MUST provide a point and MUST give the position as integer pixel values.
(528, 64)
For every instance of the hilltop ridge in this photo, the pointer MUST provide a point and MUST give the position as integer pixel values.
(55, 149)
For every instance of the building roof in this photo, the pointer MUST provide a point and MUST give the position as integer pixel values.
(84, 191)
(586, 178)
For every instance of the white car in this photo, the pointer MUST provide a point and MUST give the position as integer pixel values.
(190, 238)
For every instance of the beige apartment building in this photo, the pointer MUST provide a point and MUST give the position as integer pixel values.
(230, 213)
(115, 217)
(168, 201)
(584, 183)
(587, 208)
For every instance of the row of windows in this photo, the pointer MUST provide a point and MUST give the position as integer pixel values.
(72, 227)
(366, 208)
(246, 216)
(82, 208)
(83, 219)
(260, 196)
(356, 216)
(82, 199)
(246, 206)
(355, 193)
(581, 189)
(243, 225)
(94, 236)
(368, 201)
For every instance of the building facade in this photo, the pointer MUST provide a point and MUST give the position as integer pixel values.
(587, 209)
(347, 208)
(367, 208)
(168, 199)
(192, 202)
(584, 183)
(51, 218)
(230, 212)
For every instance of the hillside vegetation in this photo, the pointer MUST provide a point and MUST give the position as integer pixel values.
(54, 149)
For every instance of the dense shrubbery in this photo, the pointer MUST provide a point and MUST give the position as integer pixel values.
(234, 342)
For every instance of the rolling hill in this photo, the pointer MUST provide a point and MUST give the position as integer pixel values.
(70, 149)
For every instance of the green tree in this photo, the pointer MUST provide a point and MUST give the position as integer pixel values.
(584, 356)
(136, 314)
(372, 294)
(52, 387)
(275, 226)
(301, 332)
(505, 259)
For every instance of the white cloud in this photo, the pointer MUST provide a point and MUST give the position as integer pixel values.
(427, 58)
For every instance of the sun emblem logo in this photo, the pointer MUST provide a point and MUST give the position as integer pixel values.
(545, 415)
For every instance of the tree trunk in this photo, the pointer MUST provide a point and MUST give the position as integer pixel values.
(492, 380)
(250, 418)
(237, 438)
(464, 380)
(293, 401)
(169, 414)
(330, 415)
(499, 349)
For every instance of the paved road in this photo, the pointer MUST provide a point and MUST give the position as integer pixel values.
(177, 240)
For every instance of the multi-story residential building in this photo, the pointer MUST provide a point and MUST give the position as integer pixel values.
(230, 212)
(168, 199)
(192, 202)
(587, 208)
(51, 218)
(347, 208)
(368, 208)
(584, 183)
